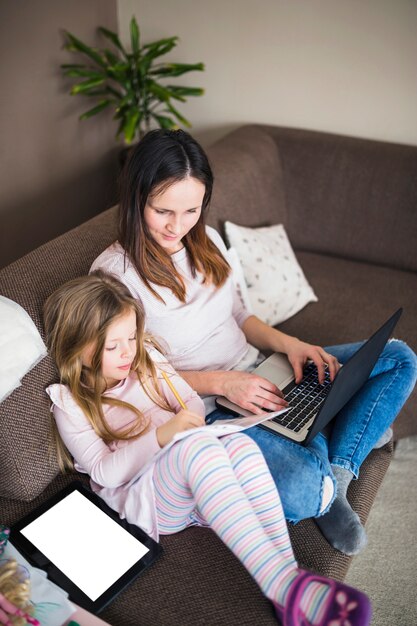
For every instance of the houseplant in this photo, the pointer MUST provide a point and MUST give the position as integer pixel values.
(136, 83)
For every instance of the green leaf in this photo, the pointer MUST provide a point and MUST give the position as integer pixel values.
(119, 72)
(100, 106)
(113, 38)
(174, 95)
(158, 48)
(131, 124)
(185, 91)
(160, 92)
(75, 45)
(164, 121)
(114, 92)
(73, 66)
(111, 58)
(178, 115)
(125, 105)
(76, 73)
(94, 92)
(177, 69)
(86, 85)
(160, 42)
(134, 35)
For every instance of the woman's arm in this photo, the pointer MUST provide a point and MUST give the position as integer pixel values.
(249, 391)
(265, 337)
(253, 392)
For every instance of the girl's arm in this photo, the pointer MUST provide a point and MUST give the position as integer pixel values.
(108, 468)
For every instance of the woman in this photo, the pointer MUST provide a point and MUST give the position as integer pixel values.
(176, 266)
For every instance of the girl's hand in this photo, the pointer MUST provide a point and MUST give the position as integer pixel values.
(184, 420)
(252, 392)
(299, 352)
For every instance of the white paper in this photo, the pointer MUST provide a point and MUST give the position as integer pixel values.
(223, 427)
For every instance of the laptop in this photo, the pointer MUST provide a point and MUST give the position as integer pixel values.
(311, 405)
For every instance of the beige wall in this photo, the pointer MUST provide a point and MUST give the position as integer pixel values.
(344, 66)
(55, 172)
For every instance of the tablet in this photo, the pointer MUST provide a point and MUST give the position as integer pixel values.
(84, 546)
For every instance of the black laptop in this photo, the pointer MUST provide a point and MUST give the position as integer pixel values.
(312, 405)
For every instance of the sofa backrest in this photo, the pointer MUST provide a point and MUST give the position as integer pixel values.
(248, 180)
(27, 459)
(347, 197)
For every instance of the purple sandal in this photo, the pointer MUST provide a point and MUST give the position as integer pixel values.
(347, 607)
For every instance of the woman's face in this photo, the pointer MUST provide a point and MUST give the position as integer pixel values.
(170, 215)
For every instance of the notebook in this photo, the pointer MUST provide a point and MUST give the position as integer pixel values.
(312, 406)
(84, 546)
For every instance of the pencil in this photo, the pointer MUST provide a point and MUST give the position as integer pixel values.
(174, 391)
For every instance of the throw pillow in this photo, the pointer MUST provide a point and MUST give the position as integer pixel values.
(238, 278)
(21, 346)
(276, 283)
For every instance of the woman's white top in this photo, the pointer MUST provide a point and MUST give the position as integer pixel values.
(202, 333)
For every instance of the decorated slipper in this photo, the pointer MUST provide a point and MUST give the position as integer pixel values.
(346, 606)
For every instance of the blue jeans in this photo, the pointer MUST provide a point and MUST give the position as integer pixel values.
(299, 470)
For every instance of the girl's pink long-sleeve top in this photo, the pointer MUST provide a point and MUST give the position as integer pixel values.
(121, 472)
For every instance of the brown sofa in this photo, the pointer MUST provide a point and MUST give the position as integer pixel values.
(349, 207)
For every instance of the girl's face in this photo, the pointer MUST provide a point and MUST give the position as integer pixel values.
(119, 349)
(170, 215)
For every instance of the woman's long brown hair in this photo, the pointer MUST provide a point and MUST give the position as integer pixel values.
(77, 316)
(162, 158)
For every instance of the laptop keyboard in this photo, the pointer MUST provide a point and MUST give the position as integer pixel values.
(304, 399)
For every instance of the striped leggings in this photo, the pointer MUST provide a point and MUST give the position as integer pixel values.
(226, 484)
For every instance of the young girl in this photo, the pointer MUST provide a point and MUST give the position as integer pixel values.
(114, 412)
(176, 267)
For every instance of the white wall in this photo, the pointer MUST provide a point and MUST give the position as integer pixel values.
(345, 66)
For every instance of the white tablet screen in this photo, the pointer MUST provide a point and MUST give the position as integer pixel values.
(88, 546)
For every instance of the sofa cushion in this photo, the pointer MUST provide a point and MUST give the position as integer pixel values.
(27, 456)
(276, 283)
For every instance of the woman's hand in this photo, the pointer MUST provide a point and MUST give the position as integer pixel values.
(184, 420)
(299, 352)
(266, 337)
(252, 392)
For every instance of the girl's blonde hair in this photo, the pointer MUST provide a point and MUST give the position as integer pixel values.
(77, 316)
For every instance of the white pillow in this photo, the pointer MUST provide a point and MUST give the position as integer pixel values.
(276, 283)
(238, 278)
(21, 346)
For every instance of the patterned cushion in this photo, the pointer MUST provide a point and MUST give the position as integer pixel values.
(276, 283)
